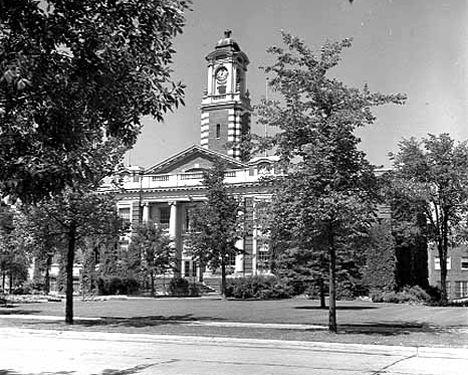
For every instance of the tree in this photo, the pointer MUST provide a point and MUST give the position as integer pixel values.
(380, 267)
(434, 172)
(100, 255)
(78, 215)
(76, 76)
(409, 231)
(13, 258)
(217, 225)
(152, 250)
(328, 194)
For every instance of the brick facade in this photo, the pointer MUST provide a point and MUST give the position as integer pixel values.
(457, 271)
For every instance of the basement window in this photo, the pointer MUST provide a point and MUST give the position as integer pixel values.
(464, 264)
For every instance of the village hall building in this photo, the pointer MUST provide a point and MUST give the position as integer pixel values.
(166, 192)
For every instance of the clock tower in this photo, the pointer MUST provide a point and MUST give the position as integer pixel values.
(225, 108)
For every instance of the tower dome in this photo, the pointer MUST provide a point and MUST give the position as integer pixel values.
(227, 42)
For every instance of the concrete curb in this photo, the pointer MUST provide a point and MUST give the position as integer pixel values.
(460, 353)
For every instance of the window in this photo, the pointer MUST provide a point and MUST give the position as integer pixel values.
(461, 289)
(187, 268)
(124, 214)
(190, 214)
(464, 264)
(263, 255)
(231, 260)
(97, 257)
(437, 263)
(218, 130)
(160, 178)
(164, 215)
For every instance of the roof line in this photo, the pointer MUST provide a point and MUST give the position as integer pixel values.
(182, 153)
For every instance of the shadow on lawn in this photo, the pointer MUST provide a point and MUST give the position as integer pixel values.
(135, 322)
(142, 321)
(18, 312)
(338, 308)
(388, 328)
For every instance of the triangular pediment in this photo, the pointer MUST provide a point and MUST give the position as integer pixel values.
(194, 158)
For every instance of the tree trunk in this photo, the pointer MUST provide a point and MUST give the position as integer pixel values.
(47, 275)
(69, 272)
(152, 283)
(443, 275)
(11, 282)
(323, 304)
(332, 327)
(223, 279)
(443, 252)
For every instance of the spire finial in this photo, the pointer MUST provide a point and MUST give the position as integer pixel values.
(227, 33)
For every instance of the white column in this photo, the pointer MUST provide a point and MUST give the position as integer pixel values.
(175, 236)
(146, 212)
(254, 252)
(240, 257)
(173, 221)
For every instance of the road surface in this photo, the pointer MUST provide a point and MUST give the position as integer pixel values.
(28, 352)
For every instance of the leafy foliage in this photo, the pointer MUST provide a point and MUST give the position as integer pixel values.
(76, 77)
(150, 253)
(69, 221)
(257, 287)
(180, 287)
(380, 267)
(115, 285)
(434, 173)
(325, 205)
(14, 261)
(411, 295)
(409, 229)
(217, 225)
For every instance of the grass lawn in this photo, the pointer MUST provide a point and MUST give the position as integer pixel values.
(359, 321)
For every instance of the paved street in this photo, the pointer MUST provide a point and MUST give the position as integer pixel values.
(53, 352)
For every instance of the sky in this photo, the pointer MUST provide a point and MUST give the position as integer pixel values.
(416, 47)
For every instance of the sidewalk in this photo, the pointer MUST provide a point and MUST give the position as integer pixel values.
(424, 352)
(138, 337)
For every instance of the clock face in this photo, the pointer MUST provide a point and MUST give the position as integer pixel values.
(221, 74)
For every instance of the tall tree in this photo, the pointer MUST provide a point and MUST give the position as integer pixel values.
(75, 75)
(13, 257)
(152, 247)
(77, 215)
(434, 172)
(328, 182)
(217, 225)
(409, 228)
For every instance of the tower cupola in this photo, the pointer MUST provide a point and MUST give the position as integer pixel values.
(225, 108)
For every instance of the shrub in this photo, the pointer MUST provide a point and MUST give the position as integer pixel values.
(300, 285)
(115, 285)
(29, 287)
(411, 295)
(257, 287)
(180, 287)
